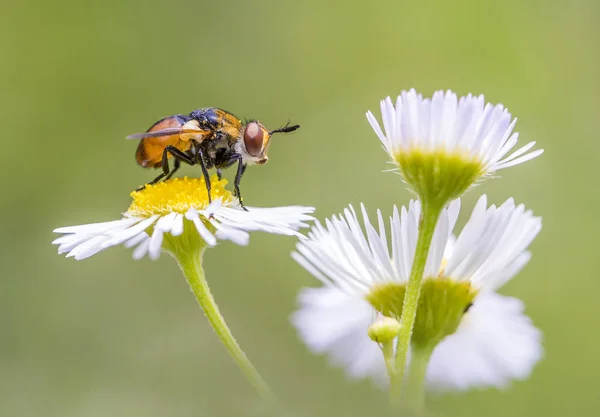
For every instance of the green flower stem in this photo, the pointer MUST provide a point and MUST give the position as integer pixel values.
(387, 349)
(415, 391)
(430, 215)
(191, 265)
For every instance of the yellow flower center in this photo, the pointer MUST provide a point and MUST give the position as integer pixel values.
(177, 195)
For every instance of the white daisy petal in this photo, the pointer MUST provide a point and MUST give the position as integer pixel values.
(141, 250)
(497, 278)
(165, 223)
(438, 245)
(87, 248)
(208, 237)
(239, 237)
(331, 323)
(453, 212)
(310, 268)
(377, 129)
(489, 251)
(65, 240)
(95, 228)
(524, 158)
(130, 232)
(155, 244)
(397, 248)
(82, 233)
(177, 226)
(71, 241)
(495, 344)
(519, 152)
(136, 240)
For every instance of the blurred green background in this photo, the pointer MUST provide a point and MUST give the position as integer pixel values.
(112, 337)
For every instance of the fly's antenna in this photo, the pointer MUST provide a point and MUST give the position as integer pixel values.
(285, 129)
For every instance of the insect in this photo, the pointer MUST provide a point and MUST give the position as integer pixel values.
(209, 137)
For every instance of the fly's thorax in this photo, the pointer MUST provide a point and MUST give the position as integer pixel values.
(226, 127)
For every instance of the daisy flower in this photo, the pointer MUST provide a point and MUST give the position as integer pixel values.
(176, 216)
(494, 344)
(176, 213)
(443, 145)
(470, 335)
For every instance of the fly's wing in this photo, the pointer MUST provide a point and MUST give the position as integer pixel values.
(175, 131)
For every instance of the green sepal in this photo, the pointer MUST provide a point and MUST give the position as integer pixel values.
(441, 307)
(438, 177)
(189, 243)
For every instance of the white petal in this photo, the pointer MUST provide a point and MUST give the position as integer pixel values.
(239, 237)
(331, 323)
(136, 240)
(501, 276)
(177, 226)
(519, 152)
(377, 129)
(310, 268)
(88, 248)
(491, 249)
(141, 250)
(280, 220)
(520, 160)
(98, 227)
(130, 232)
(495, 344)
(397, 250)
(86, 232)
(155, 244)
(438, 246)
(200, 227)
(166, 222)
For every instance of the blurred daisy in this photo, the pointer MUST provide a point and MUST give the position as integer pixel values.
(176, 213)
(474, 336)
(443, 145)
(494, 343)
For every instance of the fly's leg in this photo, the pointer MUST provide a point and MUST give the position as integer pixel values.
(200, 161)
(178, 156)
(236, 183)
(176, 166)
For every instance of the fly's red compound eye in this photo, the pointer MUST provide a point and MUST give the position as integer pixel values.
(253, 139)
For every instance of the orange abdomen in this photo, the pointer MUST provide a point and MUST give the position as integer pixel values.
(150, 150)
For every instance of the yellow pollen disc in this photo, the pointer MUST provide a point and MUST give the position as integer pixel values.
(177, 195)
